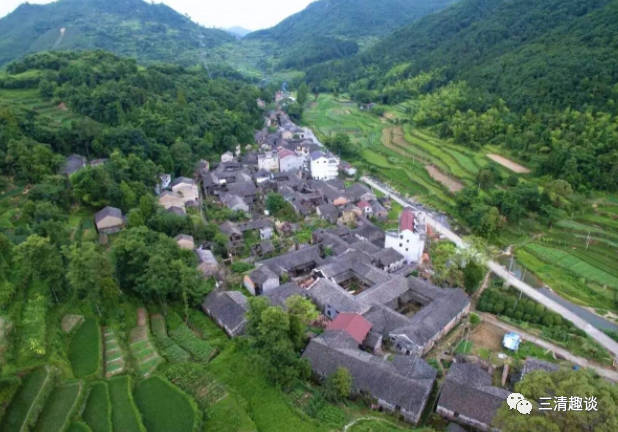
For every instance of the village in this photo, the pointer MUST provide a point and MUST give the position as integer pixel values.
(362, 259)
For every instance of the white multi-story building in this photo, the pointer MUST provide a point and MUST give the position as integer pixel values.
(288, 161)
(324, 166)
(409, 240)
(268, 161)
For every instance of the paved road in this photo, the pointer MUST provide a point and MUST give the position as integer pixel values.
(604, 340)
(561, 352)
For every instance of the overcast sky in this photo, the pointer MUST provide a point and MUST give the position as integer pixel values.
(250, 14)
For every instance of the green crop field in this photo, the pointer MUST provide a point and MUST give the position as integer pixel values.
(165, 407)
(78, 427)
(125, 416)
(31, 99)
(60, 405)
(198, 348)
(195, 380)
(98, 411)
(30, 394)
(170, 350)
(85, 349)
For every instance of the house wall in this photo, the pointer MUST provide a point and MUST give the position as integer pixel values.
(186, 244)
(248, 283)
(110, 224)
(408, 244)
(268, 164)
(452, 415)
(188, 191)
(227, 157)
(170, 201)
(290, 163)
(395, 266)
(323, 169)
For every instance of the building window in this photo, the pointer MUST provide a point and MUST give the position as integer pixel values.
(407, 249)
(400, 244)
(401, 237)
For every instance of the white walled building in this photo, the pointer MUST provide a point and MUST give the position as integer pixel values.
(268, 161)
(409, 240)
(324, 166)
(186, 188)
(288, 161)
(227, 157)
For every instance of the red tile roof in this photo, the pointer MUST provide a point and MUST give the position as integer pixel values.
(286, 153)
(352, 323)
(363, 204)
(406, 222)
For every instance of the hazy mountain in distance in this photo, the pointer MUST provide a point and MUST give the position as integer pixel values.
(239, 32)
(149, 32)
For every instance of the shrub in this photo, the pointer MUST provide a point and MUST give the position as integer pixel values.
(240, 267)
(474, 319)
(85, 349)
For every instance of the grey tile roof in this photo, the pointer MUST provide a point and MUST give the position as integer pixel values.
(325, 292)
(178, 211)
(229, 307)
(293, 260)
(370, 233)
(386, 291)
(262, 274)
(384, 319)
(329, 211)
(316, 155)
(467, 390)
(279, 295)
(230, 229)
(388, 256)
(182, 180)
(73, 164)
(434, 317)
(406, 383)
(356, 191)
(533, 364)
(107, 212)
(206, 256)
(365, 246)
(180, 237)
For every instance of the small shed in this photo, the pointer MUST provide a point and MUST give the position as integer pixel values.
(511, 341)
(109, 220)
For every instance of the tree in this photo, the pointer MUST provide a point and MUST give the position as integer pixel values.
(302, 94)
(90, 274)
(37, 259)
(338, 385)
(566, 383)
(275, 202)
(341, 144)
(303, 308)
(269, 328)
(473, 274)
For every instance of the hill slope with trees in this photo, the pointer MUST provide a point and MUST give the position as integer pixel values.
(148, 32)
(330, 29)
(539, 77)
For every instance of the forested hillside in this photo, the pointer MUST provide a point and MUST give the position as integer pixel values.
(159, 119)
(148, 32)
(537, 76)
(330, 29)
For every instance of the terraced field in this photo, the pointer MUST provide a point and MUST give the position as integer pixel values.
(170, 350)
(61, 404)
(97, 413)
(125, 416)
(143, 351)
(85, 349)
(24, 410)
(577, 258)
(199, 349)
(114, 360)
(31, 99)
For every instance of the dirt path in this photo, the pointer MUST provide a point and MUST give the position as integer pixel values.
(508, 164)
(452, 185)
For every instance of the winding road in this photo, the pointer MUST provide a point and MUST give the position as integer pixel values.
(596, 334)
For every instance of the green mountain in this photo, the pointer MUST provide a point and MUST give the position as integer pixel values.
(148, 32)
(554, 53)
(330, 29)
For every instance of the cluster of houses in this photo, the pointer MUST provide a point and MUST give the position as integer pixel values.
(360, 286)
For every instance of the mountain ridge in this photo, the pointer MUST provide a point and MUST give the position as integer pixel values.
(148, 32)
